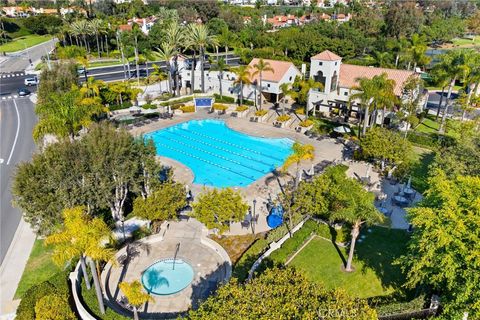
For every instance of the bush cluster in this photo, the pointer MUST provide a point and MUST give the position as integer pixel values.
(188, 109)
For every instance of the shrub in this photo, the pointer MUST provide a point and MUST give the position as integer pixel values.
(141, 232)
(125, 105)
(300, 110)
(283, 118)
(241, 108)
(177, 106)
(261, 113)
(149, 106)
(26, 309)
(306, 123)
(243, 265)
(188, 109)
(197, 91)
(219, 106)
(423, 140)
(248, 102)
(53, 306)
(224, 99)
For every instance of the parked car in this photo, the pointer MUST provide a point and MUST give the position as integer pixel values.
(31, 81)
(22, 92)
(82, 71)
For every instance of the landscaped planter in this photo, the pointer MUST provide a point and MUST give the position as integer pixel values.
(177, 111)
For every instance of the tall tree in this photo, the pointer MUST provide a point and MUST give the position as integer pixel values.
(200, 35)
(220, 66)
(443, 251)
(301, 152)
(176, 38)
(135, 295)
(259, 68)
(243, 77)
(218, 208)
(366, 92)
(167, 52)
(163, 204)
(64, 115)
(301, 88)
(385, 145)
(82, 237)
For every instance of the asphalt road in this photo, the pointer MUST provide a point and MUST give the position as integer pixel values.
(17, 119)
(20, 60)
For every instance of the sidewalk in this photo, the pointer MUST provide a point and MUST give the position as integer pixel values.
(12, 268)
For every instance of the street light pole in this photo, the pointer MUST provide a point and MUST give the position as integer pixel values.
(123, 228)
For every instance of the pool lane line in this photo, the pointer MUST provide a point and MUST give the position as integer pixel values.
(217, 156)
(219, 148)
(206, 161)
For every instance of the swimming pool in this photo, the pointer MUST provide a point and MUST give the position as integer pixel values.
(167, 277)
(219, 156)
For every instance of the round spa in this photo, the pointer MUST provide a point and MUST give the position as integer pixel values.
(167, 276)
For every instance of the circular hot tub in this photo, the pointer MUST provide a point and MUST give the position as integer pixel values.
(167, 276)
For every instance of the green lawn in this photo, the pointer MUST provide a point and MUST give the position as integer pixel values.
(422, 158)
(374, 275)
(104, 63)
(23, 42)
(428, 125)
(39, 268)
(466, 42)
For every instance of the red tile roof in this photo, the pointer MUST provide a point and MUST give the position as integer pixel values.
(279, 68)
(326, 56)
(125, 27)
(349, 74)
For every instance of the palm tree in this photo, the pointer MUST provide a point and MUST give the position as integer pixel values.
(300, 152)
(243, 77)
(260, 67)
(357, 210)
(64, 115)
(191, 44)
(225, 39)
(220, 66)
(301, 89)
(166, 52)
(157, 75)
(91, 88)
(386, 97)
(285, 89)
(457, 64)
(135, 295)
(200, 35)
(367, 93)
(75, 29)
(96, 25)
(176, 38)
(82, 237)
(417, 50)
(441, 79)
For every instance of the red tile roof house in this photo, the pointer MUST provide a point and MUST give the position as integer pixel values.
(338, 80)
(283, 72)
(281, 21)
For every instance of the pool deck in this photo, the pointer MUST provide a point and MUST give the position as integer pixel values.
(209, 261)
(327, 151)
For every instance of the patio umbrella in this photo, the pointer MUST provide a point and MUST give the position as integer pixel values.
(342, 129)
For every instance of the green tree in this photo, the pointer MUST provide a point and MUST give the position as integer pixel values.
(301, 88)
(301, 152)
(52, 307)
(81, 237)
(201, 37)
(242, 77)
(403, 18)
(163, 204)
(366, 94)
(58, 79)
(259, 68)
(279, 294)
(64, 115)
(218, 208)
(417, 51)
(166, 53)
(385, 145)
(220, 66)
(443, 251)
(135, 295)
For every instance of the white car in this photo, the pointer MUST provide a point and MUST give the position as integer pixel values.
(31, 81)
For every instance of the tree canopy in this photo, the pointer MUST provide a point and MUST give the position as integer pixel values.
(217, 208)
(445, 246)
(53, 306)
(280, 294)
(387, 145)
(163, 204)
(101, 171)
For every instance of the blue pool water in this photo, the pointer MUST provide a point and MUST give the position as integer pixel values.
(219, 156)
(162, 278)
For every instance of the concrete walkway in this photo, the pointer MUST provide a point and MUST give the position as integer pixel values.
(12, 268)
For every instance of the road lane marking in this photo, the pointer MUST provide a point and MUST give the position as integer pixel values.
(15, 97)
(16, 133)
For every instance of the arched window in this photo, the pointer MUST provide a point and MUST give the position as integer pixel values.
(333, 85)
(320, 78)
